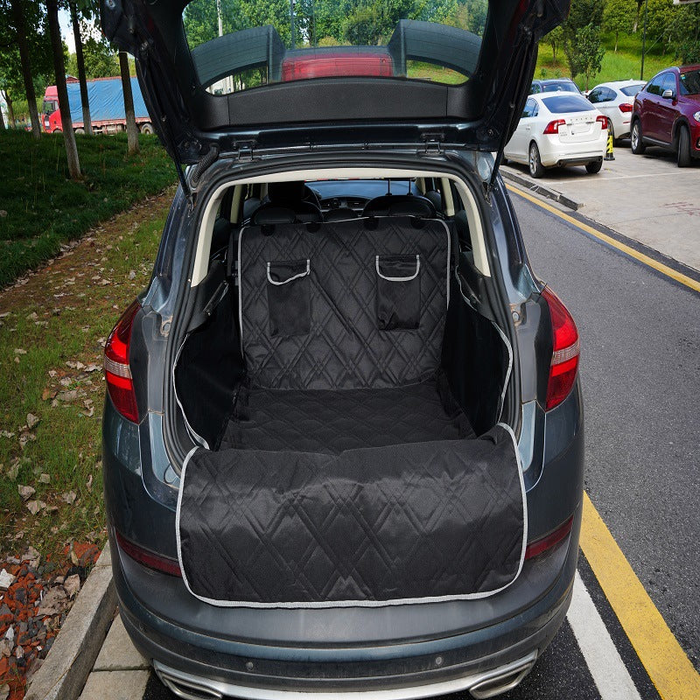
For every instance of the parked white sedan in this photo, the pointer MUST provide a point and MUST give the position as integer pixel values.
(616, 101)
(559, 129)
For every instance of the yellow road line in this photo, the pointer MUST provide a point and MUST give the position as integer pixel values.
(660, 267)
(665, 661)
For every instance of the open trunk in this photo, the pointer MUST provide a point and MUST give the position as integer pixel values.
(347, 400)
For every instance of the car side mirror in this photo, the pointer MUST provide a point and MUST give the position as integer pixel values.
(668, 95)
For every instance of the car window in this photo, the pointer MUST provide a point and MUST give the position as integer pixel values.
(654, 87)
(530, 109)
(690, 83)
(594, 96)
(535, 89)
(559, 104)
(563, 86)
(631, 90)
(669, 83)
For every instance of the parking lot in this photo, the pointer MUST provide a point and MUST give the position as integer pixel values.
(646, 198)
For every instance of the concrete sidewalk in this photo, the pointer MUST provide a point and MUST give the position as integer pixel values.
(647, 198)
(120, 672)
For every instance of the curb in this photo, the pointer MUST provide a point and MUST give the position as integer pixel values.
(542, 190)
(68, 663)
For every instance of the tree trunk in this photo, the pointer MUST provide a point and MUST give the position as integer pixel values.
(617, 34)
(2, 121)
(132, 131)
(62, 90)
(21, 29)
(87, 122)
(10, 111)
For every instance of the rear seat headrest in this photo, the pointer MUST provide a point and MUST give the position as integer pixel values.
(400, 205)
(274, 215)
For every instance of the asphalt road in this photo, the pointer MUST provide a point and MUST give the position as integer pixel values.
(640, 370)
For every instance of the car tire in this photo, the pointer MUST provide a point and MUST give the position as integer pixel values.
(534, 161)
(684, 157)
(147, 128)
(638, 146)
(594, 166)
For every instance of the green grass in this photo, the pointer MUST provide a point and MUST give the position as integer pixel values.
(59, 317)
(40, 208)
(624, 64)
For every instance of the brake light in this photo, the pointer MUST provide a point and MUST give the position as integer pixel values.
(626, 107)
(116, 364)
(158, 562)
(565, 351)
(544, 543)
(603, 121)
(553, 127)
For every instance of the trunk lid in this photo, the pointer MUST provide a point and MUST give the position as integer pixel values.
(580, 129)
(216, 77)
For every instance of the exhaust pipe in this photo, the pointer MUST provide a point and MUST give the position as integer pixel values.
(502, 680)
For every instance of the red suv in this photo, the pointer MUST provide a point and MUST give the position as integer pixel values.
(667, 114)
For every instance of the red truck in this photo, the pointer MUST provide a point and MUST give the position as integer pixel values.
(106, 99)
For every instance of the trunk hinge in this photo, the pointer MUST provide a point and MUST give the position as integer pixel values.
(432, 145)
(245, 152)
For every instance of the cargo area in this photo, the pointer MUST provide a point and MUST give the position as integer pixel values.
(347, 401)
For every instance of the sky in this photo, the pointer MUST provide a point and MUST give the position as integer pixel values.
(67, 29)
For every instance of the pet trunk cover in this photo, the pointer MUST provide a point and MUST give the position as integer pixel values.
(348, 473)
(373, 526)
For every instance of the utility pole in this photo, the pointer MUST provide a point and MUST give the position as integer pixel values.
(644, 37)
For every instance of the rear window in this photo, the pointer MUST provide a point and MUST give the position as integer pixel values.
(241, 44)
(690, 83)
(631, 90)
(560, 104)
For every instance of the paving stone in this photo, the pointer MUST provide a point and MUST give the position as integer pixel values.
(118, 653)
(115, 685)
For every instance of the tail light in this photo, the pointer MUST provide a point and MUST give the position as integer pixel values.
(116, 364)
(158, 562)
(626, 108)
(603, 121)
(544, 543)
(565, 351)
(553, 127)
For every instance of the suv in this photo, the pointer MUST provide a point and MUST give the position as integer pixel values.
(343, 431)
(667, 113)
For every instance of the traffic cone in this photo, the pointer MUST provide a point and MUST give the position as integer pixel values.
(609, 149)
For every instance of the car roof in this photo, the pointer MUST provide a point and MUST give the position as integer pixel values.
(620, 83)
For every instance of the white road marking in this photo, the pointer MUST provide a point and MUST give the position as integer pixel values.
(607, 668)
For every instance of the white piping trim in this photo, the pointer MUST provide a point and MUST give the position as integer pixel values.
(291, 279)
(362, 603)
(196, 437)
(240, 289)
(509, 347)
(178, 509)
(397, 279)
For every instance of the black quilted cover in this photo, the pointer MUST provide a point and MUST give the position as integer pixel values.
(345, 475)
(369, 526)
(342, 347)
(335, 421)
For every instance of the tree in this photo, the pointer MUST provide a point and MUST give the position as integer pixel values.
(64, 106)
(685, 34)
(589, 52)
(583, 13)
(132, 131)
(618, 16)
(80, 61)
(23, 46)
(554, 39)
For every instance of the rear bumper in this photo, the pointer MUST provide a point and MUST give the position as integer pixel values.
(553, 152)
(418, 662)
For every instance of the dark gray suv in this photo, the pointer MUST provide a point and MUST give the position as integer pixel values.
(343, 438)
